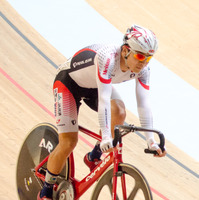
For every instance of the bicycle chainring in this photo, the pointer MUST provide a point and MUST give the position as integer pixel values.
(64, 191)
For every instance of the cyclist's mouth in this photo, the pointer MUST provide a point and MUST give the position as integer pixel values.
(139, 67)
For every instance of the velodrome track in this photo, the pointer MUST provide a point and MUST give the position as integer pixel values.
(28, 65)
(179, 28)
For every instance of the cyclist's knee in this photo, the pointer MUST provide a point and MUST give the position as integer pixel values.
(68, 141)
(118, 109)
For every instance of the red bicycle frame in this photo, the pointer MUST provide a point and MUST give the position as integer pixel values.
(83, 185)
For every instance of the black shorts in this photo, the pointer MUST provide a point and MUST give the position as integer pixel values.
(68, 96)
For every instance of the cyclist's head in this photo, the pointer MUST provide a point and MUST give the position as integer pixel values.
(141, 39)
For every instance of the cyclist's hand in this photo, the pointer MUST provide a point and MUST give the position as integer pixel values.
(154, 147)
(106, 144)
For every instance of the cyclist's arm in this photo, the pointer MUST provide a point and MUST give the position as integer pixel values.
(104, 103)
(143, 103)
(144, 110)
(104, 108)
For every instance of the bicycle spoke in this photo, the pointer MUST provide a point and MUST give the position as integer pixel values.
(133, 192)
(109, 184)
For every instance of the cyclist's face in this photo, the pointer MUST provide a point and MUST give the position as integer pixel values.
(132, 63)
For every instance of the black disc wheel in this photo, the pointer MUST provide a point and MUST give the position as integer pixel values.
(41, 141)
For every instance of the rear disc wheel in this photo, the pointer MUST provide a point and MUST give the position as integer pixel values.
(40, 141)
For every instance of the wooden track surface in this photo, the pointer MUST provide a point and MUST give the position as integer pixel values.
(176, 24)
(26, 90)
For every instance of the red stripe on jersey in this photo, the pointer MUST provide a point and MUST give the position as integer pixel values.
(143, 85)
(87, 49)
(103, 80)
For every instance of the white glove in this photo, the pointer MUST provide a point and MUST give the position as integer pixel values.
(106, 143)
(152, 144)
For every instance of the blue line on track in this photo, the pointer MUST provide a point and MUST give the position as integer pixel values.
(28, 41)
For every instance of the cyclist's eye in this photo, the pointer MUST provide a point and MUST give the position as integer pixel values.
(140, 56)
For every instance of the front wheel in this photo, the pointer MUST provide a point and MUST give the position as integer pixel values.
(131, 185)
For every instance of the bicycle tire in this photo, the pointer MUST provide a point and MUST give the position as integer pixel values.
(40, 141)
(138, 188)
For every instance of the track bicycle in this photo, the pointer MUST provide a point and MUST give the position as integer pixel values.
(114, 179)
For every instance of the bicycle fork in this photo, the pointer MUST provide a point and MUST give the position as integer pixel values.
(117, 173)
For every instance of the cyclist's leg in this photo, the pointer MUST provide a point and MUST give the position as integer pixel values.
(40, 141)
(118, 111)
(92, 158)
(118, 115)
(57, 159)
(66, 109)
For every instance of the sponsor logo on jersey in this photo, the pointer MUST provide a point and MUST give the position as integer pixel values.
(75, 64)
(61, 124)
(73, 122)
(55, 109)
(55, 94)
(108, 63)
(59, 105)
(59, 96)
(57, 122)
(106, 66)
(106, 117)
(132, 75)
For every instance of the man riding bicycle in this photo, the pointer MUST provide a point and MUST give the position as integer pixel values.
(89, 76)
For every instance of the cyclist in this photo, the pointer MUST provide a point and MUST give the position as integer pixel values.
(89, 76)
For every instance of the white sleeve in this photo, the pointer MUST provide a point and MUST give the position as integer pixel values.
(143, 104)
(104, 100)
(104, 108)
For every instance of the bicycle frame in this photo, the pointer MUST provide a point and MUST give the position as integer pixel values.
(80, 187)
